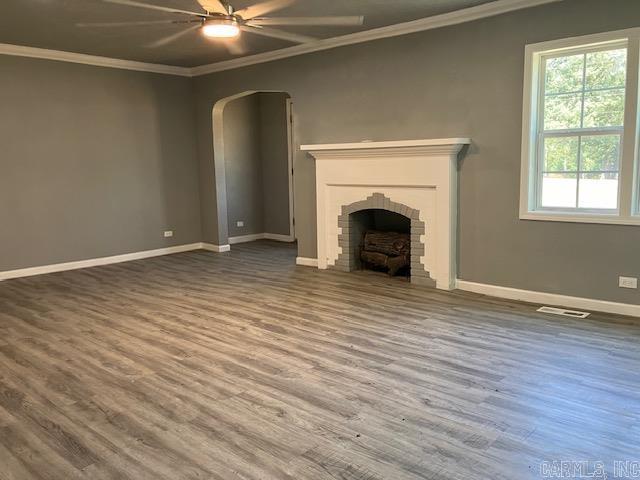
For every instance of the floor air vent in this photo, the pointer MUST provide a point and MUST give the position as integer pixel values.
(564, 312)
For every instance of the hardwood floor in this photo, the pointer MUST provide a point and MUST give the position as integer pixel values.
(244, 366)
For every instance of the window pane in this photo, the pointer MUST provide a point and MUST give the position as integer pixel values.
(559, 190)
(606, 69)
(600, 153)
(560, 154)
(564, 74)
(562, 111)
(604, 109)
(598, 191)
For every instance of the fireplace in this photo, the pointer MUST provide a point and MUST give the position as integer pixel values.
(415, 179)
(378, 239)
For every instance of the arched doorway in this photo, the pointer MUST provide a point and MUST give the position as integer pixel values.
(232, 227)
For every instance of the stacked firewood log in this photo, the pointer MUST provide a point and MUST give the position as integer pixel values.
(387, 250)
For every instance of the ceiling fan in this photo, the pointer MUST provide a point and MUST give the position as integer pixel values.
(219, 20)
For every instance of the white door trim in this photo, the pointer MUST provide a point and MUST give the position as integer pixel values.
(290, 144)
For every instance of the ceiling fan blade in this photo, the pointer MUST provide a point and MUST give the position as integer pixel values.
(130, 24)
(338, 21)
(131, 3)
(215, 6)
(263, 8)
(172, 38)
(275, 33)
(236, 46)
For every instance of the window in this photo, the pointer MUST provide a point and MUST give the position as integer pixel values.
(579, 133)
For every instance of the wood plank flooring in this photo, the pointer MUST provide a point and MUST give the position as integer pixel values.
(244, 366)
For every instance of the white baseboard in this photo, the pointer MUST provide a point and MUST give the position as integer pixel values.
(279, 238)
(307, 262)
(215, 248)
(531, 296)
(246, 238)
(260, 236)
(95, 262)
(551, 299)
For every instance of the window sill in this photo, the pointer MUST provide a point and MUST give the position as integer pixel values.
(580, 218)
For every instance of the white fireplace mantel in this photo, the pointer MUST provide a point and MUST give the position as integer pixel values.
(430, 147)
(421, 174)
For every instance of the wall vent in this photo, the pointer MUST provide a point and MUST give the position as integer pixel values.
(564, 312)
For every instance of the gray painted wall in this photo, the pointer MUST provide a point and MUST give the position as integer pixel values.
(256, 164)
(275, 161)
(94, 162)
(464, 80)
(243, 165)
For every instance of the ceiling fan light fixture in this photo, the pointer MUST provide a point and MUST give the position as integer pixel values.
(221, 29)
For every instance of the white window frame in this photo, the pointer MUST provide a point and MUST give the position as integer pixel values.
(628, 212)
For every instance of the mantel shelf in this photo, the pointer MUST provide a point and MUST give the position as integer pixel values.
(425, 147)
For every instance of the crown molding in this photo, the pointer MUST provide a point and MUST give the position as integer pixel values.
(430, 23)
(492, 9)
(61, 56)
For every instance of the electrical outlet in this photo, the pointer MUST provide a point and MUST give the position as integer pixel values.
(628, 282)
(240, 223)
(168, 233)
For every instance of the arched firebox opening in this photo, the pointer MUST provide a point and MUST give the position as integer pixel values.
(380, 240)
(382, 234)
